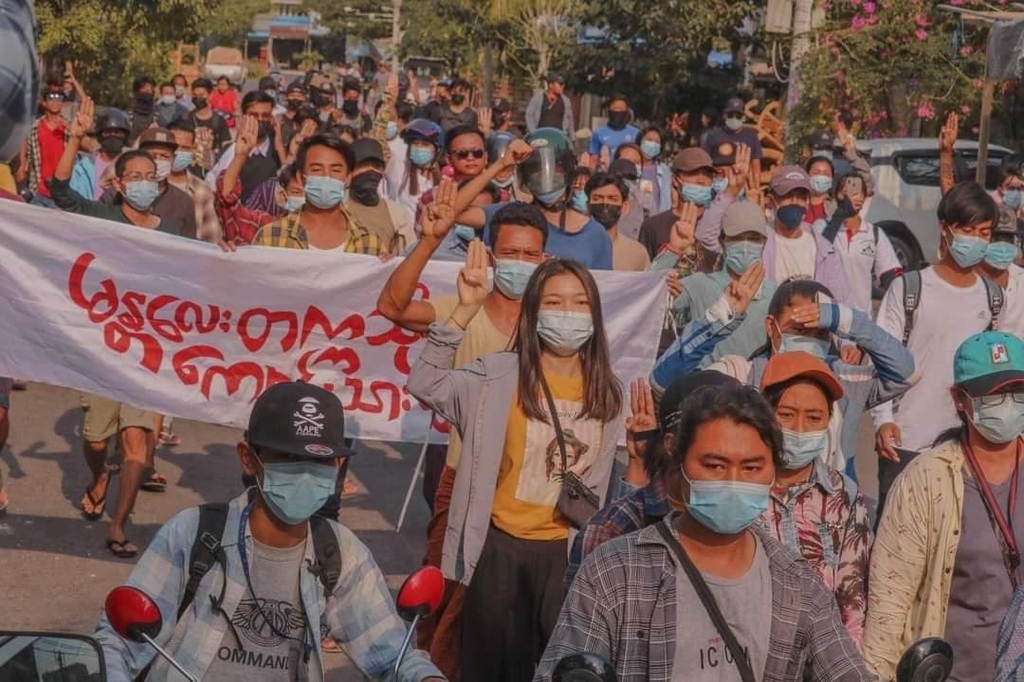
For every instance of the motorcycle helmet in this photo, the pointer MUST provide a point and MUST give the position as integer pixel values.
(547, 171)
(113, 119)
(422, 129)
(497, 144)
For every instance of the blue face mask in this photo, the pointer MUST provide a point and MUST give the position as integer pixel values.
(293, 204)
(967, 251)
(324, 192)
(800, 449)
(579, 201)
(465, 233)
(650, 149)
(511, 276)
(696, 194)
(819, 348)
(1013, 198)
(727, 507)
(1000, 255)
(182, 160)
(564, 331)
(821, 184)
(741, 255)
(391, 130)
(791, 216)
(295, 490)
(550, 198)
(421, 156)
(998, 423)
(718, 185)
(141, 194)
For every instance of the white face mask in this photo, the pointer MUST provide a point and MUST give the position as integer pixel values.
(563, 331)
(163, 169)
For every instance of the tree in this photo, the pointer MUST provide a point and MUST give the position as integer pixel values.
(232, 19)
(535, 32)
(361, 19)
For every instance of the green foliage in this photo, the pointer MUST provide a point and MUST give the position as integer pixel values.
(232, 19)
(358, 19)
(453, 30)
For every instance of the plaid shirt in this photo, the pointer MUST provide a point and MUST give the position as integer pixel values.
(19, 74)
(34, 158)
(288, 233)
(826, 521)
(641, 508)
(622, 607)
(240, 222)
(207, 222)
(1010, 647)
(360, 615)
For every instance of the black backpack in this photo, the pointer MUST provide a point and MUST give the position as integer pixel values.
(912, 298)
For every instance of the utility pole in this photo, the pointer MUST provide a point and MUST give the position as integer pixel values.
(396, 33)
(802, 12)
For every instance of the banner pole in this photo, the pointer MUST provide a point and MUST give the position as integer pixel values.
(412, 483)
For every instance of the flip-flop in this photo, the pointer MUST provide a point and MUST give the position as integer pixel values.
(98, 506)
(155, 482)
(123, 549)
(169, 439)
(329, 646)
(4, 501)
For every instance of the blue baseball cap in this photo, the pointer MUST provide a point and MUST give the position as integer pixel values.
(989, 362)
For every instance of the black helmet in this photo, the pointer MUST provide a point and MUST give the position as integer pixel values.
(113, 119)
(497, 144)
(548, 170)
(422, 129)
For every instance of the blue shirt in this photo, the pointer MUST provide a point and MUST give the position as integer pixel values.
(590, 246)
(607, 137)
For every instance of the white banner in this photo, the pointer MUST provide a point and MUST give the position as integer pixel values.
(177, 327)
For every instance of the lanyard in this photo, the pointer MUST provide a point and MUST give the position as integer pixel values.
(307, 648)
(1001, 524)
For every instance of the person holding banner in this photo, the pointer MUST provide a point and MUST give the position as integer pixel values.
(538, 424)
(517, 239)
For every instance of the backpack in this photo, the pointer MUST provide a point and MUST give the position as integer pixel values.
(207, 550)
(912, 298)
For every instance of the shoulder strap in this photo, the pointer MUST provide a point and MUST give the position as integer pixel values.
(212, 519)
(994, 292)
(328, 554)
(911, 299)
(554, 421)
(710, 605)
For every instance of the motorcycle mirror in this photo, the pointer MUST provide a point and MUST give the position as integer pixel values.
(132, 614)
(583, 668)
(421, 593)
(76, 657)
(927, 660)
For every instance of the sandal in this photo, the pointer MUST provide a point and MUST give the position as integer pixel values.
(349, 489)
(98, 505)
(169, 439)
(123, 549)
(4, 501)
(156, 483)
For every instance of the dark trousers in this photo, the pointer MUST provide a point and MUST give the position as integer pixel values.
(511, 607)
(433, 465)
(888, 471)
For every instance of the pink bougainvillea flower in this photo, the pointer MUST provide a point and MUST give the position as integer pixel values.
(921, 34)
(966, 51)
(869, 7)
(924, 110)
(921, 20)
(855, 3)
(956, 2)
(978, 84)
(873, 19)
(901, 132)
(965, 110)
(857, 23)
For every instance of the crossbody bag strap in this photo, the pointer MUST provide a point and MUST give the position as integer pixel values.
(555, 423)
(708, 599)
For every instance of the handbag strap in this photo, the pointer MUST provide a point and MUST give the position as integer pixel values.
(555, 423)
(708, 599)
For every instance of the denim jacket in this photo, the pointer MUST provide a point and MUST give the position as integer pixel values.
(360, 615)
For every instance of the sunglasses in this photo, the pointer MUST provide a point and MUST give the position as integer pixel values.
(55, 95)
(466, 153)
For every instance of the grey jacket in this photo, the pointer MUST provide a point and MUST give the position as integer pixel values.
(533, 110)
(476, 399)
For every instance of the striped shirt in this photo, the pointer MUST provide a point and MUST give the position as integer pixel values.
(288, 233)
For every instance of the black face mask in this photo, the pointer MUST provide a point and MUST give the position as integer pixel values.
(364, 186)
(293, 104)
(350, 107)
(617, 120)
(144, 102)
(112, 145)
(200, 102)
(266, 130)
(499, 120)
(606, 214)
(322, 99)
(458, 99)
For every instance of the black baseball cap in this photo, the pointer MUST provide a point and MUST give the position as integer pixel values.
(821, 139)
(678, 390)
(367, 149)
(623, 168)
(298, 419)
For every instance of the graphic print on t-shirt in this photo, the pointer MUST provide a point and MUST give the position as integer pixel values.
(540, 478)
(261, 623)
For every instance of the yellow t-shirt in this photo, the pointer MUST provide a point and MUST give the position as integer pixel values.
(482, 338)
(528, 479)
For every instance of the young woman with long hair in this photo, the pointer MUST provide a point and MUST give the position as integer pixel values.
(507, 535)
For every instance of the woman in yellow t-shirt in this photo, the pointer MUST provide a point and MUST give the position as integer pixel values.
(507, 534)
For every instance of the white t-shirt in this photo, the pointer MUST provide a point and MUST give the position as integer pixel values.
(1011, 318)
(795, 257)
(397, 175)
(861, 257)
(945, 317)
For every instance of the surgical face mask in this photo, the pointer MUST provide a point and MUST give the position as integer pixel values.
(365, 187)
(163, 169)
(800, 449)
(421, 156)
(822, 154)
(1000, 255)
(741, 255)
(141, 194)
(819, 348)
(458, 98)
(606, 214)
(391, 130)
(579, 201)
(998, 423)
(511, 276)
(505, 183)
(564, 331)
(167, 100)
(821, 184)
(293, 491)
(617, 119)
(791, 216)
(734, 124)
(718, 185)
(182, 160)
(696, 194)
(465, 233)
(350, 107)
(1013, 198)
(179, 90)
(650, 149)
(200, 102)
(294, 203)
(727, 507)
(324, 192)
(967, 251)
(551, 198)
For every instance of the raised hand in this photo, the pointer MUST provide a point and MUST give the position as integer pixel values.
(947, 137)
(675, 286)
(805, 316)
(439, 215)
(484, 117)
(83, 122)
(516, 153)
(682, 236)
(473, 285)
(741, 292)
(739, 172)
(842, 132)
(641, 406)
(887, 439)
(248, 134)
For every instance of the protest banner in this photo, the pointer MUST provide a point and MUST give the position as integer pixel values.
(178, 327)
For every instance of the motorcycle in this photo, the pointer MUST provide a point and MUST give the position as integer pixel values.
(48, 656)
